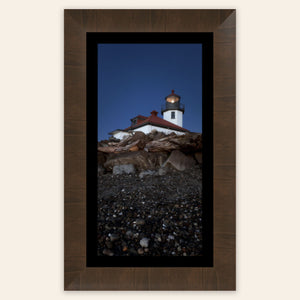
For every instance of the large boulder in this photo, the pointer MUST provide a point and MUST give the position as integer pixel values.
(141, 160)
(179, 161)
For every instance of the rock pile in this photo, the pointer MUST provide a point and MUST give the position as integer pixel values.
(151, 152)
(150, 195)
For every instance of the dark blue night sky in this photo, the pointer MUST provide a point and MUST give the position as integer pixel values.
(134, 79)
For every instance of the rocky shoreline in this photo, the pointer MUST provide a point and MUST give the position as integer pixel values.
(151, 216)
(150, 195)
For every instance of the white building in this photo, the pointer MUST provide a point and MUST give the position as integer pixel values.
(172, 120)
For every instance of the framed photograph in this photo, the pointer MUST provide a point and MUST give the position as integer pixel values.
(151, 176)
(149, 149)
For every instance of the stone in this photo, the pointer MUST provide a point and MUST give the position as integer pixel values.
(109, 244)
(180, 161)
(114, 237)
(140, 251)
(144, 242)
(162, 171)
(123, 169)
(138, 158)
(158, 237)
(129, 233)
(108, 252)
(139, 222)
(198, 156)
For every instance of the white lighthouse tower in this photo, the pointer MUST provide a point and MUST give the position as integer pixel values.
(173, 110)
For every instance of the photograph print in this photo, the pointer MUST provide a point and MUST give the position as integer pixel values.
(151, 206)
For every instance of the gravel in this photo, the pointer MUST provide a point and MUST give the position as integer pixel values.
(150, 216)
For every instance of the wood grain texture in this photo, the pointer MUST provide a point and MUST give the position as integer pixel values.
(222, 24)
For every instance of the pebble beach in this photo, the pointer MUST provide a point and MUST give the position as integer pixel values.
(144, 214)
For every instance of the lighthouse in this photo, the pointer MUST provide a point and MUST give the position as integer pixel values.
(173, 110)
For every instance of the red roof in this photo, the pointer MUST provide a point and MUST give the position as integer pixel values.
(157, 121)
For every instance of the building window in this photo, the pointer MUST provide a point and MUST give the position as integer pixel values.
(173, 115)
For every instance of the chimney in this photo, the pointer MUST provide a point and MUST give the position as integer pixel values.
(154, 113)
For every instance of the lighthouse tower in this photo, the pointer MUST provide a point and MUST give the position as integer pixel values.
(173, 110)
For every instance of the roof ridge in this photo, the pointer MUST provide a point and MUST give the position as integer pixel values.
(157, 121)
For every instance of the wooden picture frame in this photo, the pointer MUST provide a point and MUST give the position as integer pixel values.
(222, 275)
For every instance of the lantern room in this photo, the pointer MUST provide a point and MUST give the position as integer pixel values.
(172, 98)
(173, 110)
